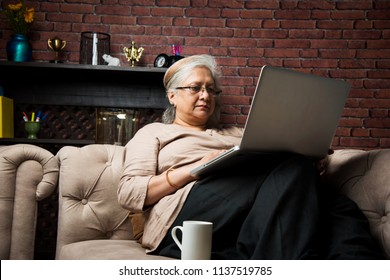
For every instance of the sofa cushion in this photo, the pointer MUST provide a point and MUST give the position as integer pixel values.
(106, 250)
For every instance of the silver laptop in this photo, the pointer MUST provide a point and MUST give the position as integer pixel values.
(291, 112)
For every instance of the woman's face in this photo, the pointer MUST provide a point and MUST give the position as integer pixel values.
(194, 109)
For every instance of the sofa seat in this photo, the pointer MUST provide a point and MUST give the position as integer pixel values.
(106, 250)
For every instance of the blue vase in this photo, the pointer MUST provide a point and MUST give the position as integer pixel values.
(19, 48)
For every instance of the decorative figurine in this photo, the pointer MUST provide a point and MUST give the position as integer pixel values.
(133, 54)
(56, 45)
(112, 61)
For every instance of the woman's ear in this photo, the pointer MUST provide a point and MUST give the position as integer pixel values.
(171, 98)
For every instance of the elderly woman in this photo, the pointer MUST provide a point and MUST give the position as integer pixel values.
(270, 208)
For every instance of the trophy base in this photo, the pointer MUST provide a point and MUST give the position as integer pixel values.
(56, 61)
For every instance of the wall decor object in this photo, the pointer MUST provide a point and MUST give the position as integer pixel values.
(133, 53)
(6, 117)
(19, 48)
(162, 61)
(116, 126)
(111, 61)
(176, 50)
(92, 47)
(32, 128)
(21, 18)
(56, 45)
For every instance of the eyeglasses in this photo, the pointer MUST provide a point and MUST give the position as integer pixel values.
(196, 89)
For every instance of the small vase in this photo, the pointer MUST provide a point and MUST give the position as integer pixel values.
(19, 48)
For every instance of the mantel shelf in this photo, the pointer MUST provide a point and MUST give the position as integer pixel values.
(85, 67)
(83, 85)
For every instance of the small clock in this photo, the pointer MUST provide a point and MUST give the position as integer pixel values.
(162, 60)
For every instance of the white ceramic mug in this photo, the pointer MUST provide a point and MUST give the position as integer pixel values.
(196, 240)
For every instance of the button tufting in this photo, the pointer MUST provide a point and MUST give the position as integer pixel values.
(108, 234)
(384, 219)
(108, 163)
(84, 201)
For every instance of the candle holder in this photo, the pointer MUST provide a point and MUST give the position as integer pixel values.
(93, 46)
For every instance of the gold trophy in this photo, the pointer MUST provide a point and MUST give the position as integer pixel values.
(56, 45)
(133, 54)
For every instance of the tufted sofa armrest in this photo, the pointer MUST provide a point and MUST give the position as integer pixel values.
(28, 174)
(364, 176)
(88, 203)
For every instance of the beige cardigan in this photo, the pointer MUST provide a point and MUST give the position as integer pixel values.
(155, 148)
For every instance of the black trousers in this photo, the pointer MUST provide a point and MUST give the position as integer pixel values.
(274, 208)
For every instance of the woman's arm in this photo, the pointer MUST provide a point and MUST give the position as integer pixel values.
(142, 184)
(131, 194)
(173, 179)
(140, 164)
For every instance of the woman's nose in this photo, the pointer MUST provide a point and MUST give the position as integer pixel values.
(204, 93)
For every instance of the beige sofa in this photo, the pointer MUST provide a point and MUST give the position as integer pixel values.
(92, 225)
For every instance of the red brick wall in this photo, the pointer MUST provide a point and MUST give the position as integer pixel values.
(340, 39)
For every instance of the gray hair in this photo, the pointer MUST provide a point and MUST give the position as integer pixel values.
(180, 71)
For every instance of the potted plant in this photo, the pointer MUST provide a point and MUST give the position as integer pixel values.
(20, 18)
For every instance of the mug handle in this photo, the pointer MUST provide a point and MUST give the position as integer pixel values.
(173, 233)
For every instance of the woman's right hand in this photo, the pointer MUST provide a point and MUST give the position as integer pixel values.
(159, 187)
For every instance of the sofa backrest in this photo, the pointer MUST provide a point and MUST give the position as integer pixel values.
(364, 176)
(88, 203)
